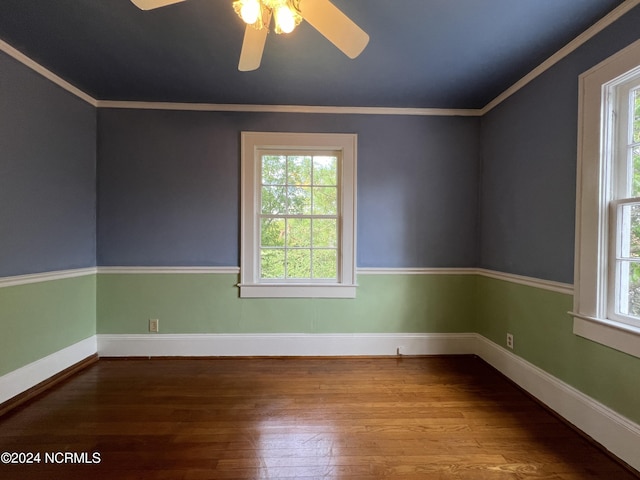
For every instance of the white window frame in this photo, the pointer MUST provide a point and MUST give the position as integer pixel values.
(596, 201)
(250, 284)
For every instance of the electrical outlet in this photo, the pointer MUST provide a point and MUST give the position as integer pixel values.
(510, 340)
(154, 325)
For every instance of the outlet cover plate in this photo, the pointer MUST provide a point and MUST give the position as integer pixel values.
(154, 325)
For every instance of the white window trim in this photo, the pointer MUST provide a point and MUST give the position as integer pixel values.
(250, 285)
(592, 207)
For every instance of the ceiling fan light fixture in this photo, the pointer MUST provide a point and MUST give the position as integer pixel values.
(250, 11)
(285, 19)
(322, 15)
(254, 13)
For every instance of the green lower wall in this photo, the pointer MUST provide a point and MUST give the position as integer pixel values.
(209, 303)
(42, 318)
(39, 319)
(543, 335)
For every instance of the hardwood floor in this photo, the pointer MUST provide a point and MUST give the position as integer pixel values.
(339, 418)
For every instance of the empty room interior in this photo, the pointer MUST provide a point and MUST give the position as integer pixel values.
(229, 251)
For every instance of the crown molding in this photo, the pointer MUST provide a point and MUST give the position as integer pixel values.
(220, 107)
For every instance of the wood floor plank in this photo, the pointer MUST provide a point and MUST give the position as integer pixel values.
(451, 418)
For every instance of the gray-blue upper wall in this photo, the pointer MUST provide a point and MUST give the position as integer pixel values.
(528, 172)
(168, 181)
(169, 188)
(47, 174)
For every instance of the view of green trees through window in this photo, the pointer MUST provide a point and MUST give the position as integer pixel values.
(299, 216)
(631, 214)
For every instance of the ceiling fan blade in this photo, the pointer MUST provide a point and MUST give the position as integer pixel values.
(339, 29)
(253, 46)
(151, 4)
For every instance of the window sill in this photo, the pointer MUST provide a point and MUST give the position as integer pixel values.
(297, 291)
(621, 337)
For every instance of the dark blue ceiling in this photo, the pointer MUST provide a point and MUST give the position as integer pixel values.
(422, 53)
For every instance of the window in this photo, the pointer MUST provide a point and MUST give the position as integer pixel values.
(607, 290)
(298, 215)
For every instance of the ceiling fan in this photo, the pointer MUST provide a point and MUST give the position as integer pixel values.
(323, 15)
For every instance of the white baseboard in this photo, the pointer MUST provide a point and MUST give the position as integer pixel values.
(153, 345)
(614, 432)
(22, 379)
